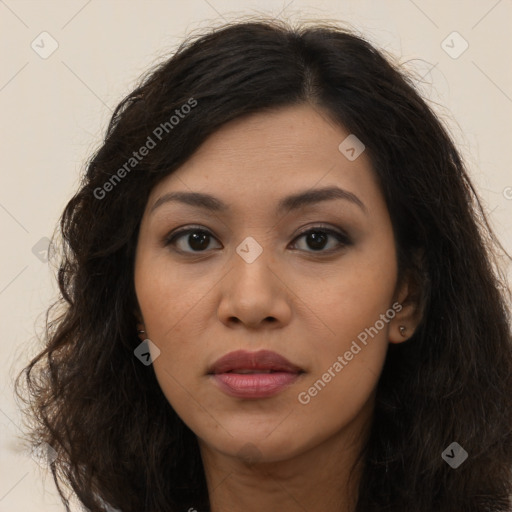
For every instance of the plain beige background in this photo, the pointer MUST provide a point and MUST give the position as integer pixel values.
(55, 109)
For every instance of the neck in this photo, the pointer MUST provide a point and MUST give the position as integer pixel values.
(316, 479)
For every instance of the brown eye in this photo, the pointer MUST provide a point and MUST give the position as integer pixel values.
(318, 238)
(195, 239)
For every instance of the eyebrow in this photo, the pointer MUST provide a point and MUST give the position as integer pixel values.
(285, 205)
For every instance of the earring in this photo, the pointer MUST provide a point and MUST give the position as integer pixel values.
(402, 330)
(141, 332)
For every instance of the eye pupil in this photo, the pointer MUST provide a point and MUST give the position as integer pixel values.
(318, 238)
(200, 239)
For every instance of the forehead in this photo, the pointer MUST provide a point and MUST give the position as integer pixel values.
(257, 160)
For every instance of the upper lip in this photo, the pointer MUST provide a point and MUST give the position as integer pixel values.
(261, 360)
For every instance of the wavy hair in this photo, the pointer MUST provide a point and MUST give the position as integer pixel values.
(118, 440)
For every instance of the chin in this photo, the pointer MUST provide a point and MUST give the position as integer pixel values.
(254, 448)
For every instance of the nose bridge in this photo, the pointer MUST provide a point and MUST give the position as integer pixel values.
(252, 262)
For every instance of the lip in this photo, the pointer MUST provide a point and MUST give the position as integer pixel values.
(253, 385)
(261, 360)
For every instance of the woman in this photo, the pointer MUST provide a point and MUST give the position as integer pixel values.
(279, 294)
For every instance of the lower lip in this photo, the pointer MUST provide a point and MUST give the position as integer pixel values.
(254, 385)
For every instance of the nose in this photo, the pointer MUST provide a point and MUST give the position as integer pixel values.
(254, 293)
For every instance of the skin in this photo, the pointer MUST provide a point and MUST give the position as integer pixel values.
(274, 453)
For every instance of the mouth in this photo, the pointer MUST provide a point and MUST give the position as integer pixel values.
(248, 371)
(243, 362)
(262, 374)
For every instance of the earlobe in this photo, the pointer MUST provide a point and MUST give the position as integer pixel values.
(400, 332)
(141, 329)
(141, 332)
(407, 318)
(402, 327)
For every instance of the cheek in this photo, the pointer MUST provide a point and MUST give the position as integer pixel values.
(172, 300)
(354, 305)
(167, 295)
(352, 295)
(346, 369)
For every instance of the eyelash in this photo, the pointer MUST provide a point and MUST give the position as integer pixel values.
(342, 238)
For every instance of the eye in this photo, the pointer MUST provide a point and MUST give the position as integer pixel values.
(317, 238)
(198, 239)
(195, 238)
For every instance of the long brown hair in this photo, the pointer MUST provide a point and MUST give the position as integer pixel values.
(117, 438)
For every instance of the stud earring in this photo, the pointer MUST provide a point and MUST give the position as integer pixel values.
(142, 331)
(402, 330)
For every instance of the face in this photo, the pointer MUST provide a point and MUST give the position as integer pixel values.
(313, 281)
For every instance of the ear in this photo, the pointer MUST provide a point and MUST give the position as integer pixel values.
(408, 306)
(140, 325)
